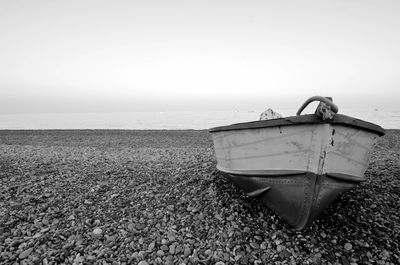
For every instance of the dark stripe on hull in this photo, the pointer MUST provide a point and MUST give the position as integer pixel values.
(297, 198)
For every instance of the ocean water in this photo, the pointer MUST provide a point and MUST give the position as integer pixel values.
(167, 120)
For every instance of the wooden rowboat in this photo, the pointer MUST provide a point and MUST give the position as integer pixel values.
(297, 165)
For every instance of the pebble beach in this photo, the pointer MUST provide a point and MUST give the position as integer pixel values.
(155, 197)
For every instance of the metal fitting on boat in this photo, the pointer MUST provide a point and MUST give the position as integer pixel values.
(326, 109)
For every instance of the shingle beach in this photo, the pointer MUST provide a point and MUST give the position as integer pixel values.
(155, 197)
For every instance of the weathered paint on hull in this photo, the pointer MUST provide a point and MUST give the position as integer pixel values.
(298, 198)
(319, 149)
(299, 168)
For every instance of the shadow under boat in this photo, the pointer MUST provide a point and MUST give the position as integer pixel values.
(298, 165)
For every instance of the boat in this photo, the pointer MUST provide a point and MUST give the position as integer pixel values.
(297, 165)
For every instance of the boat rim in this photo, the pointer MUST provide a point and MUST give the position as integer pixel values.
(302, 119)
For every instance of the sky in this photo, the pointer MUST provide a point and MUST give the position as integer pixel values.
(95, 56)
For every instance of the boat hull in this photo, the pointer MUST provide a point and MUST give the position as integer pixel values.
(295, 168)
(297, 198)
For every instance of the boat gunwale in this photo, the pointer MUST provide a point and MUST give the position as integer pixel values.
(339, 119)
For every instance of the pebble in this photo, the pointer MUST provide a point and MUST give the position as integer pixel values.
(71, 217)
(316, 259)
(171, 236)
(8, 241)
(172, 249)
(219, 217)
(385, 255)
(78, 259)
(37, 235)
(348, 246)
(24, 254)
(285, 254)
(90, 258)
(178, 249)
(97, 232)
(143, 263)
(279, 248)
(187, 252)
(254, 245)
(44, 230)
(361, 243)
(258, 238)
(160, 253)
(164, 248)
(151, 246)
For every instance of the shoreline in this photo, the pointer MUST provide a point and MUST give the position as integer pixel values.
(126, 196)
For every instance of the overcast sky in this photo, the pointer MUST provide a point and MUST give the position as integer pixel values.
(63, 56)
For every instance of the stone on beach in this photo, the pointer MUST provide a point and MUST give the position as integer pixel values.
(348, 246)
(24, 254)
(97, 232)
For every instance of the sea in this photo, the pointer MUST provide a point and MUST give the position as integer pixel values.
(178, 120)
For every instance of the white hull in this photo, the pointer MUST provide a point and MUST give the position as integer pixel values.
(318, 148)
